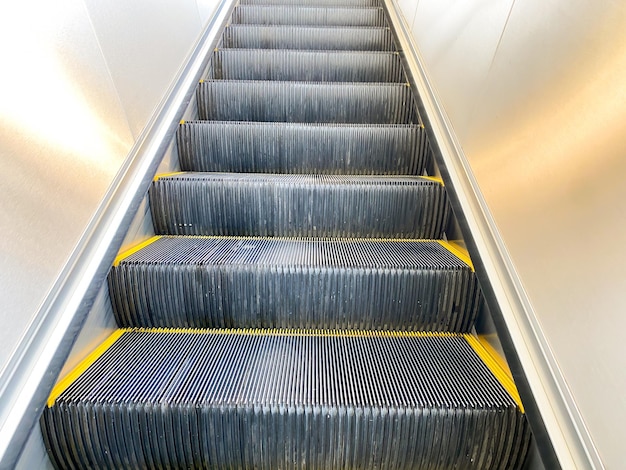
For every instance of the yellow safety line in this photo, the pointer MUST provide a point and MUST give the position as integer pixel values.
(66, 381)
(165, 175)
(134, 249)
(495, 354)
(299, 332)
(494, 365)
(458, 251)
(436, 179)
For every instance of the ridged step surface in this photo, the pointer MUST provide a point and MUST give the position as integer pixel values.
(351, 149)
(315, 66)
(308, 37)
(308, 16)
(314, 3)
(294, 283)
(302, 400)
(342, 103)
(298, 205)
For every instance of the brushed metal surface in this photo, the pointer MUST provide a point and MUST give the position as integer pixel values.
(542, 128)
(144, 43)
(63, 135)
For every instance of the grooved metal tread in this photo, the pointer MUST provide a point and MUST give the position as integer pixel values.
(313, 66)
(254, 399)
(314, 3)
(258, 147)
(365, 38)
(308, 16)
(315, 102)
(221, 282)
(244, 204)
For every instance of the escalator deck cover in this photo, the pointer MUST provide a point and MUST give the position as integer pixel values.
(286, 399)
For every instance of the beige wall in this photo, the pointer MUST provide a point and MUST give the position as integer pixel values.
(536, 93)
(80, 79)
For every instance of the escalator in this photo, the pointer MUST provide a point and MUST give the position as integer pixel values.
(299, 304)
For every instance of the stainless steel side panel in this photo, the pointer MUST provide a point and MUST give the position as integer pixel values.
(536, 94)
(68, 118)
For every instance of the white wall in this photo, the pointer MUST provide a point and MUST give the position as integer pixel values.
(536, 92)
(80, 79)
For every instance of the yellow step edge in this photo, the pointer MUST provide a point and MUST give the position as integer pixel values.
(134, 249)
(458, 251)
(165, 175)
(66, 381)
(493, 360)
(495, 354)
(436, 179)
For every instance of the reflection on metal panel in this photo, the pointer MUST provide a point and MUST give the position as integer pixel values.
(144, 44)
(542, 126)
(63, 135)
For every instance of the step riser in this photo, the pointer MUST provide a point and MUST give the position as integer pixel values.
(298, 148)
(315, 3)
(277, 437)
(300, 207)
(279, 401)
(269, 15)
(230, 283)
(310, 38)
(306, 102)
(330, 66)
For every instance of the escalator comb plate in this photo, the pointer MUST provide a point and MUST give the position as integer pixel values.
(250, 399)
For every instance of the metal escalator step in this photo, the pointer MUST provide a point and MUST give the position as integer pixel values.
(309, 16)
(251, 147)
(221, 282)
(308, 37)
(309, 3)
(275, 399)
(313, 66)
(244, 204)
(356, 103)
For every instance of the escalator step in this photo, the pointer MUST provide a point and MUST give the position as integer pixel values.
(248, 147)
(244, 204)
(222, 282)
(308, 37)
(310, 3)
(313, 66)
(276, 399)
(272, 101)
(310, 16)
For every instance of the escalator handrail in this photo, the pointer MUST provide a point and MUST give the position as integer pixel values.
(32, 370)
